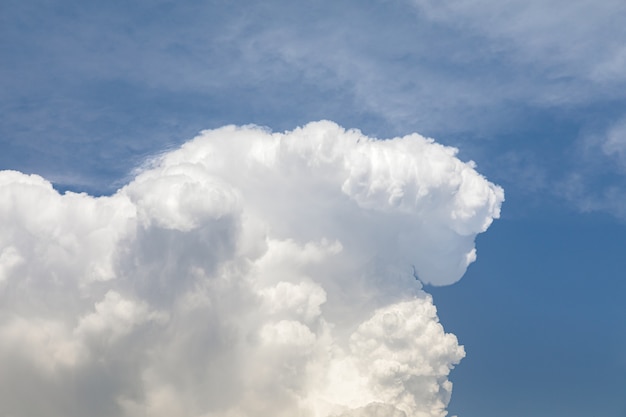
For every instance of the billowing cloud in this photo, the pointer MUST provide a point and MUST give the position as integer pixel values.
(247, 273)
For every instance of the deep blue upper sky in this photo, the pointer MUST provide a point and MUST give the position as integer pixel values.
(533, 91)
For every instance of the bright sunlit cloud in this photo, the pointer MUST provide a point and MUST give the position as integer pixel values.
(247, 273)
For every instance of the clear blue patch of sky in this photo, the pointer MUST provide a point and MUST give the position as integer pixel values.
(541, 315)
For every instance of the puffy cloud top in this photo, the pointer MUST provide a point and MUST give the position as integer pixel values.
(246, 273)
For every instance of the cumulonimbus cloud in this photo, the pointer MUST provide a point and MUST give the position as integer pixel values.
(247, 273)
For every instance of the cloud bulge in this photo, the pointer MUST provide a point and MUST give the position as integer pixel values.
(246, 273)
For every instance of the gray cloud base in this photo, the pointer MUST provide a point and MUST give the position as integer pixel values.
(246, 273)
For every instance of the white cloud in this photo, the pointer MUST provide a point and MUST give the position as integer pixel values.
(614, 142)
(247, 273)
(598, 182)
(581, 38)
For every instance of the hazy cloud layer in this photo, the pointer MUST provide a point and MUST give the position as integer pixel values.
(247, 273)
(522, 74)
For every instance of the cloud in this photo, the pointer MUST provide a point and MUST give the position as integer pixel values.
(139, 76)
(614, 142)
(597, 184)
(246, 273)
(575, 39)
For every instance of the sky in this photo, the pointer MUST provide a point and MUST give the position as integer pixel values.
(125, 293)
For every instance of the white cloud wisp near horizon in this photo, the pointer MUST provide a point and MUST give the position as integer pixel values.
(246, 273)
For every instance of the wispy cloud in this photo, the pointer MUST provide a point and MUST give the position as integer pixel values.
(138, 79)
(614, 142)
(598, 182)
(577, 40)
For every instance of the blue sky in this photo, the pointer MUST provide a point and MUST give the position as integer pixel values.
(534, 92)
